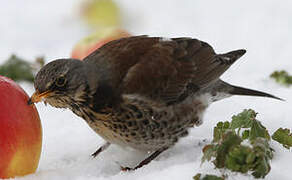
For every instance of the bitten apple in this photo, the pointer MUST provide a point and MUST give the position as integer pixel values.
(94, 41)
(20, 131)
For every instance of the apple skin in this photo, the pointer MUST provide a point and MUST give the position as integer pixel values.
(94, 41)
(100, 13)
(20, 131)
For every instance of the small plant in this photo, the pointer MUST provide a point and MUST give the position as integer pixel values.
(241, 145)
(282, 77)
(19, 69)
(284, 137)
(207, 177)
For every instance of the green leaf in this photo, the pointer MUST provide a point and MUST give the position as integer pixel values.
(207, 177)
(264, 154)
(245, 134)
(237, 159)
(282, 77)
(258, 130)
(262, 168)
(255, 159)
(197, 176)
(284, 137)
(251, 157)
(209, 151)
(244, 119)
(219, 130)
(262, 145)
(230, 140)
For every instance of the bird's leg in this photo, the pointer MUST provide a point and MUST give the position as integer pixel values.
(102, 148)
(145, 161)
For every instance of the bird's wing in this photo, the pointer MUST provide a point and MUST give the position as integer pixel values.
(159, 68)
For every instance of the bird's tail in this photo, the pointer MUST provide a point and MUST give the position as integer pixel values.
(236, 90)
(223, 90)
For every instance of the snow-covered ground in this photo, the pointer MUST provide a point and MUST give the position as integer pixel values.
(31, 28)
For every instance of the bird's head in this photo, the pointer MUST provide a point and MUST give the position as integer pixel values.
(60, 83)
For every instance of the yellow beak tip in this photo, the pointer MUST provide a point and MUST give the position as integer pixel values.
(37, 97)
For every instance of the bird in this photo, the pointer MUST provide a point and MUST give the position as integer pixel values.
(141, 92)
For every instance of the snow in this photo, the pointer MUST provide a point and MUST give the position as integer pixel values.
(51, 28)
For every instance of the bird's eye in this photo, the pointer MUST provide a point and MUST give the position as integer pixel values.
(60, 82)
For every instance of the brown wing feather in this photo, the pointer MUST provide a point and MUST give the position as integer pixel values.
(160, 69)
(159, 74)
(114, 59)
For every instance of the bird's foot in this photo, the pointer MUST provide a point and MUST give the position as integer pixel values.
(145, 161)
(126, 169)
(99, 150)
(95, 153)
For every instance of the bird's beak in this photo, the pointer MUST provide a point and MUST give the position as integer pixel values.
(37, 97)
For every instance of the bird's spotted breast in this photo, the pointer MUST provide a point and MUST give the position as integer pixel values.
(147, 126)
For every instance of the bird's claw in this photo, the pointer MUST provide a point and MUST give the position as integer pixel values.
(93, 155)
(126, 169)
(101, 149)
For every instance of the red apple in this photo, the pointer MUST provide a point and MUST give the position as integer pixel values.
(87, 45)
(20, 131)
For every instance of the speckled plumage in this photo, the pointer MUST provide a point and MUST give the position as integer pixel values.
(144, 125)
(143, 92)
